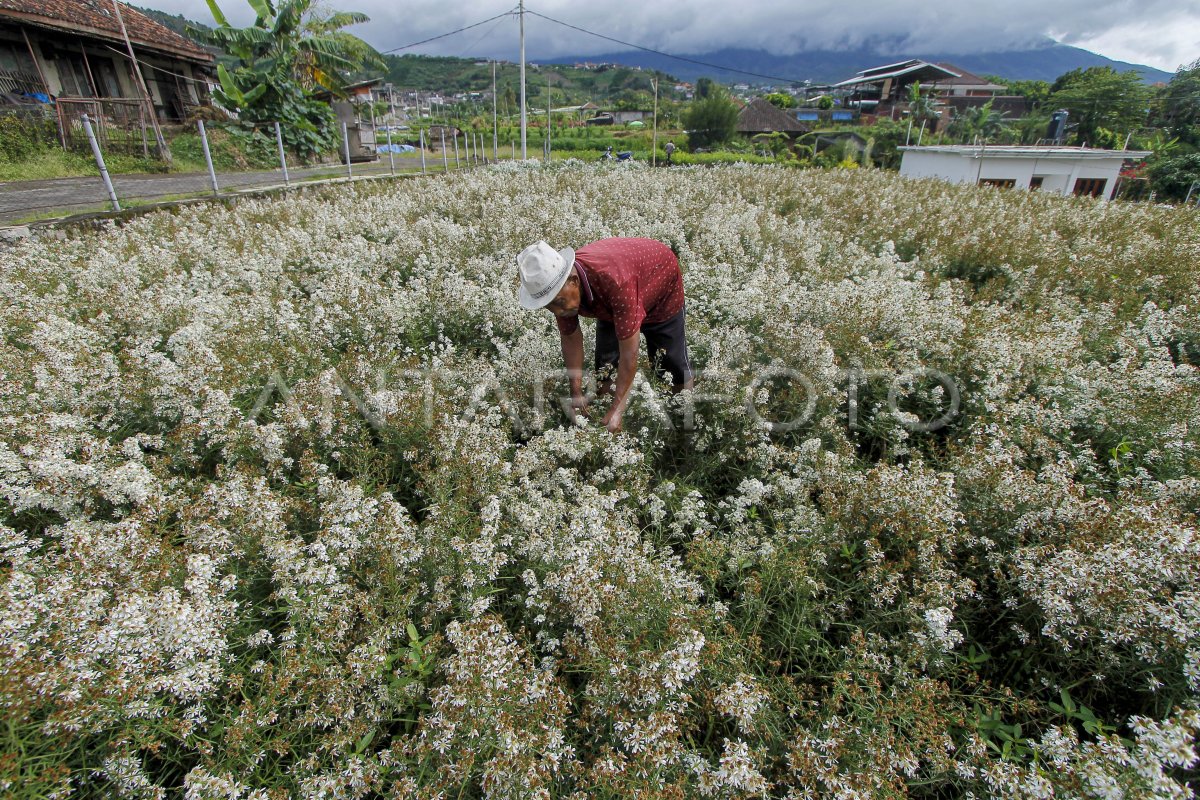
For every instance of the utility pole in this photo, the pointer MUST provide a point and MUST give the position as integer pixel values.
(654, 138)
(524, 121)
(163, 150)
(548, 114)
(495, 130)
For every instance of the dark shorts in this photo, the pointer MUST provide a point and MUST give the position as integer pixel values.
(665, 343)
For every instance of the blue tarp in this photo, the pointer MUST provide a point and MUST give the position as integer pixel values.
(396, 148)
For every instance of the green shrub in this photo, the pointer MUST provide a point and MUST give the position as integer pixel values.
(22, 136)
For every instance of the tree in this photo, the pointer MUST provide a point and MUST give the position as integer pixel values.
(1034, 92)
(291, 51)
(781, 100)
(981, 122)
(1178, 107)
(1101, 97)
(704, 87)
(1172, 177)
(710, 121)
(922, 106)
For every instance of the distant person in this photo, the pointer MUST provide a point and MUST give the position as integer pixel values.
(670, 151)
(629, 286)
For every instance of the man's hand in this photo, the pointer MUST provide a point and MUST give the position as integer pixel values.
(579, 406)
(612, 420)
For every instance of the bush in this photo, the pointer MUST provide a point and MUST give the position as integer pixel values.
(25, 134)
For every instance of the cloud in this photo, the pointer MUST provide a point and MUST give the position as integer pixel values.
(1159, 32)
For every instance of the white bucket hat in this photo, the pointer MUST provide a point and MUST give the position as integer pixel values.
(543, 270)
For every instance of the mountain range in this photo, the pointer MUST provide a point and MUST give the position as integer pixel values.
(1046, 62)
(829, 66)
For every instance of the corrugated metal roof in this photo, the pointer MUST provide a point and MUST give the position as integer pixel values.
(97, 18)
(917, 69)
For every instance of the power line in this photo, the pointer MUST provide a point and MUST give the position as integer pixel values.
(710, 65)
(451, 33)
(482, 36)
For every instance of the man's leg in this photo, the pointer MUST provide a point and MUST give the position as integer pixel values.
(667, 346)
(608, 352)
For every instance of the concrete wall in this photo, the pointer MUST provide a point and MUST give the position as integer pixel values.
(1058, 174)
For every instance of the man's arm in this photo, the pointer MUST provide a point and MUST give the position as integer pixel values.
(572, 350)
(626, 370)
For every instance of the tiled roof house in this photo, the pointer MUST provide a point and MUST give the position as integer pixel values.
(761, 116)
(52, 49)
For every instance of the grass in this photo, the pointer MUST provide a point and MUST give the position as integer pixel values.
(229, 154)
(51, 164)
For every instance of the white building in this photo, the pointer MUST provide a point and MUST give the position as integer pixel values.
(1062, 170)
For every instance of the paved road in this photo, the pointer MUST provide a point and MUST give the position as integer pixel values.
(22, 200)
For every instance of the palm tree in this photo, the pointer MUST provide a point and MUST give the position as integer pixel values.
(922, 107)
(982, 122)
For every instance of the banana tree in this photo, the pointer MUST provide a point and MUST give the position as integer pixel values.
(292, 50)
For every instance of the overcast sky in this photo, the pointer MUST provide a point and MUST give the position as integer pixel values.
(1160, 33)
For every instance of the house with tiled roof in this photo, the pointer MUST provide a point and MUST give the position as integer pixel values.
(52, 50)
(761, 116)
(967, 90)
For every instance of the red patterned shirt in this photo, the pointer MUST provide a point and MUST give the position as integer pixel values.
(627, 282)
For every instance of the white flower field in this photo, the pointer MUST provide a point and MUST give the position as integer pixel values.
(289, 506)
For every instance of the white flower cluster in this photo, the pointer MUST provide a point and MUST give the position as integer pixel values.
(289, 507)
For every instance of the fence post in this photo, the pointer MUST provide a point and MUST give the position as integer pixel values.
(391, 155)
(346, 150)
(478, 143)
(421, 142)
(142, 126)
(112, 194)
(282, 157)
(445, 159)
(212, 174)
(457, 163)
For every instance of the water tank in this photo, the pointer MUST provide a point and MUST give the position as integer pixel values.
(1056, 131)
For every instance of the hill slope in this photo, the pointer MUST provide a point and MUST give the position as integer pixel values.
(828, 66)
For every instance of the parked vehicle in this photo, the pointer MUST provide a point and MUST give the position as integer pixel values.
(622, 155)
